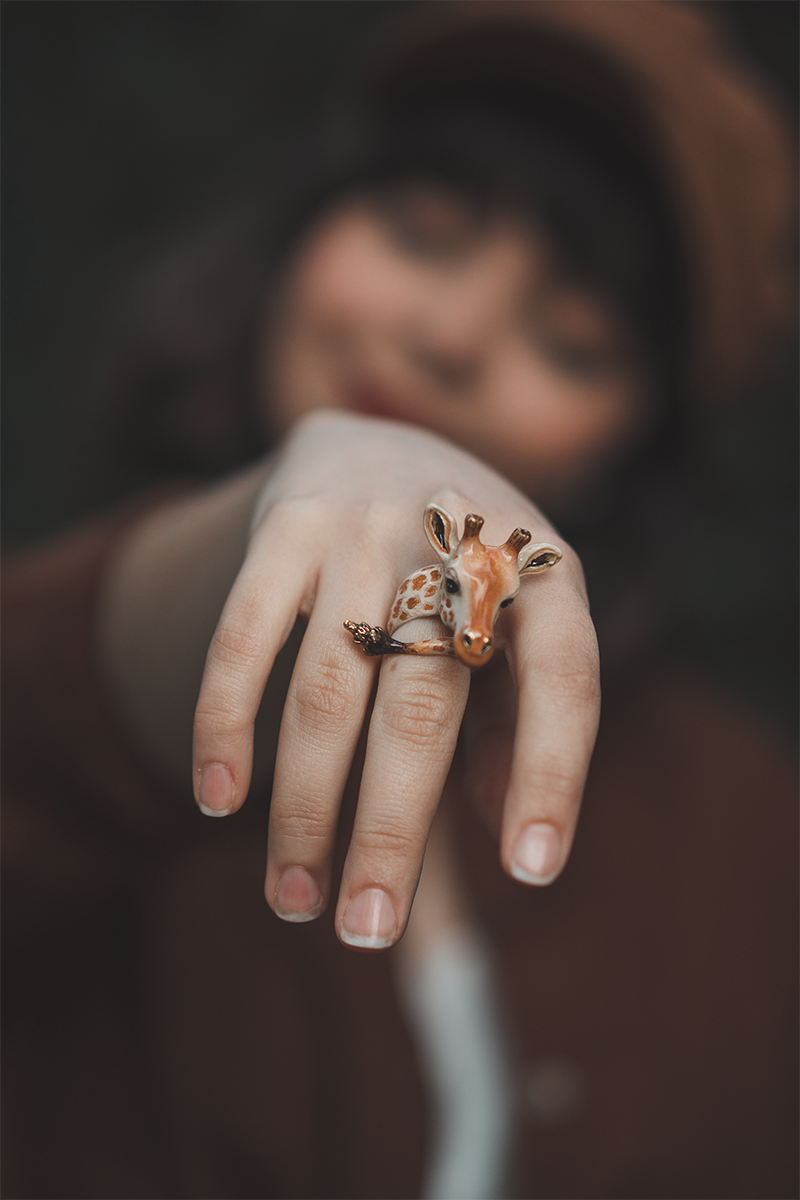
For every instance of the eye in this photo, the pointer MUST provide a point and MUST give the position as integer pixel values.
(581, 361)
(428, 223)
(506, 603)
(451, 586)
(579, 334)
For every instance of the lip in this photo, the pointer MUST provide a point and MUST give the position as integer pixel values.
(372, 399)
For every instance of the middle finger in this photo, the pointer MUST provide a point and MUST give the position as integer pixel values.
(412, 738)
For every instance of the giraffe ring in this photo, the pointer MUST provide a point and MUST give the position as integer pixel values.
(466, 589)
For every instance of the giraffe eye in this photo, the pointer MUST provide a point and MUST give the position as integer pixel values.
(506, 603)
(451, 586)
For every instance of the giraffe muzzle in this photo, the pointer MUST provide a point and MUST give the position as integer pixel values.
(473, 647)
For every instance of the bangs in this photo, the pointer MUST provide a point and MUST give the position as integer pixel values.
(599, 211)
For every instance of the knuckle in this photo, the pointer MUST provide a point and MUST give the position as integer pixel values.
(287, 519)
(322, 695)
(571, 566)
(420, 716)
(576, 683)
(551, 778)
(293, 817)
(570, 557)
(386, 514)
(289, 512)
(372, 526)
(235, 644)
(388, 839)
(216, 720)
(371, 523)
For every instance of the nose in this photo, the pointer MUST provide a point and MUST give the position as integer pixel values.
(473, 647)
(452, 371)
(462, 312)
(453, 333)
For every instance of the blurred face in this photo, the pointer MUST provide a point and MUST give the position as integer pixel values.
(413, 308)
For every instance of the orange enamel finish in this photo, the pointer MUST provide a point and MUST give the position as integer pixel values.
(485, 576)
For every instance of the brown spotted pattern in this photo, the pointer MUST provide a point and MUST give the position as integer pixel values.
(487, 575)
(422, 593)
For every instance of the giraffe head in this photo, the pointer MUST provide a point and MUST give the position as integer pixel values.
(479, 580)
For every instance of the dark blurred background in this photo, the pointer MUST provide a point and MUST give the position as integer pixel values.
(123, 122)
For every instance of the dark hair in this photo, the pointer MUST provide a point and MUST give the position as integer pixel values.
(600, 208)
(180, 385)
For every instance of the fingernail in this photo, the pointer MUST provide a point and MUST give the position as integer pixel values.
(298, 897)
(537, 855)
(216, 790)
(369, 920)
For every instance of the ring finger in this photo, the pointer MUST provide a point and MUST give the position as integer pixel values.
(322, 720)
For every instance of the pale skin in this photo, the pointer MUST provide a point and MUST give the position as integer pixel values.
(423, 315)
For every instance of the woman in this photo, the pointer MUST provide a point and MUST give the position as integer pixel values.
(493, 257)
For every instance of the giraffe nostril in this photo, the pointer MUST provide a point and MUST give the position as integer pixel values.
(467, 640)
(487, 645)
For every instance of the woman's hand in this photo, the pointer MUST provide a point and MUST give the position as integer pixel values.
(335, 530)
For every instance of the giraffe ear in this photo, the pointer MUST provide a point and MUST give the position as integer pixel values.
(441, 529)
(535, 559)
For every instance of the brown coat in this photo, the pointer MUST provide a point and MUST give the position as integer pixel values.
(167, 1036)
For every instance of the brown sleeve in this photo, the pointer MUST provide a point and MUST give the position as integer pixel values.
(69, 774)
(653, 987)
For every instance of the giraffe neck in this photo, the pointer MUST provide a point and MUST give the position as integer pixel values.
(422, 595)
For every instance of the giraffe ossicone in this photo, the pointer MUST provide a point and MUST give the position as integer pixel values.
(466, 589)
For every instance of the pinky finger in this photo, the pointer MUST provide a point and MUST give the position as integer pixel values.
(557, 718)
